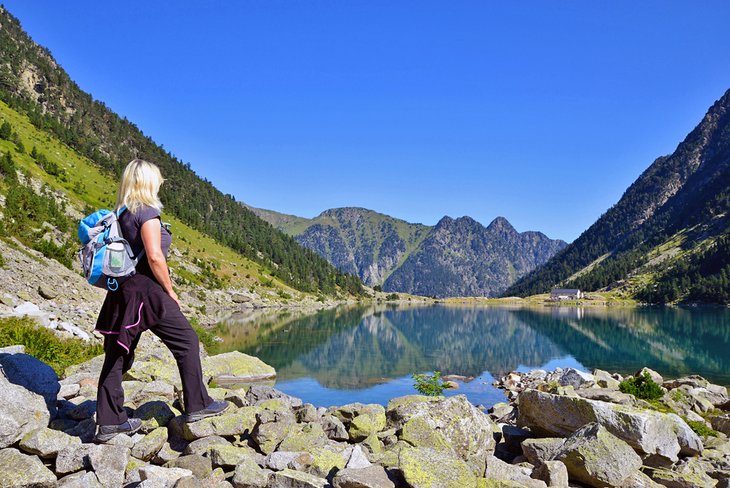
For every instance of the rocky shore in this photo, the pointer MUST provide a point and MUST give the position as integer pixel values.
(561, 428)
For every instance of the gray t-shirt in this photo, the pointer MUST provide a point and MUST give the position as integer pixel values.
(131, 225)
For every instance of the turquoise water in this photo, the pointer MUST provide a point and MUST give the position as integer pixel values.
(367, 354)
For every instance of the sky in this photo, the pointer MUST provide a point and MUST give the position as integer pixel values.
(540, 112)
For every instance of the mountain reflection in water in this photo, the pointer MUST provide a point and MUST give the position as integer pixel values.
(368, 353)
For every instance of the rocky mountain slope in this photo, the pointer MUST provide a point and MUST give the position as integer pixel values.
(454, 258)
(668, 237)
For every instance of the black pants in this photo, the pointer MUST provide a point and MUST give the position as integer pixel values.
(180, 338)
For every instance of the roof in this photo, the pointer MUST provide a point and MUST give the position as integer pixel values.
(565, 291)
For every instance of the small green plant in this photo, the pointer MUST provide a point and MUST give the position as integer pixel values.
(284, 295)
(392, 297)
(206, 337)
(678, 396)
(45, 345)
(700, 428)
(642, 387)
(429, 384)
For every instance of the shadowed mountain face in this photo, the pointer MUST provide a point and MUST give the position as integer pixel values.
(668, 237)
(454, 258)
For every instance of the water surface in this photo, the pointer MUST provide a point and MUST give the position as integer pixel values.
(367, 354)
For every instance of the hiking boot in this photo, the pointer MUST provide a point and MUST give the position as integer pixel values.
(108, 432)
(215, 408)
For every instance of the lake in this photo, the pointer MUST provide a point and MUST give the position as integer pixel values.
(368, 353)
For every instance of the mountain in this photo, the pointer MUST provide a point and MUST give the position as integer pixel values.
(454, 258)
(668, 237)
(33, 84)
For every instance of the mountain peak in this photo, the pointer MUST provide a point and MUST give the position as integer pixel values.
(501, 224)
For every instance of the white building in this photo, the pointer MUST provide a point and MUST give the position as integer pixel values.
(565, 294)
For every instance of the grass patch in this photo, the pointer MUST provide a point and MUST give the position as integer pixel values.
(45, 345)
(642, 387)
(206, 337)
(700, 428)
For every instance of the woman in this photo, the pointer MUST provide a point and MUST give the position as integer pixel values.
(145, 301)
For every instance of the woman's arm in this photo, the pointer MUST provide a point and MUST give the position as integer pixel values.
(151, 237)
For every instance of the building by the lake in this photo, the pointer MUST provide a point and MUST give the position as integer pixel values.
(565, 294)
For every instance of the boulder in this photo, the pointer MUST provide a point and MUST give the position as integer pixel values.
(498, 470)
(233, 422)
(289, 478)
(154, 414)
(148, 446)
(538, 451)
(306, 413)
(21, 411)
(656, 377)
(370, 477)
(606, 395)
(227, 456)
(200, 467)
(596, 457)
(428, 468)
(639, 480)
(202, 446)
(573, 377)
(468, 430)
(721, 423)
(257, 394)
(280, 460)
(46, 443)
(302, 437)
(165, 454)
(46, 291)
(235, 367)
(84, 479)
(248, 474)
(357, 458)
(334, 428)
(109, 463)
(649, 432)
(18, 469)
(74, 458)
(33, 375)
(553, 473)
(163, 476)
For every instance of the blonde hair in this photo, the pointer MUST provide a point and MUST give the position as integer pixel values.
(141, 181)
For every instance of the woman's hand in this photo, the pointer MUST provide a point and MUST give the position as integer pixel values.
(152, 239)
(173, 295)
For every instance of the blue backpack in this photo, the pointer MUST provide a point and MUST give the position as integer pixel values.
(106, 257)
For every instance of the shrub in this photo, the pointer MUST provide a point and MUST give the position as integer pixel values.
(392, 297)
(45, 345)
(700, 428)
(642, 387)
(206, 337)
(429, 384)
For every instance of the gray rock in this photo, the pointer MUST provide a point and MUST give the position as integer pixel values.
(84, 410)
(721, 423)
(109, 463)
(656, 377)
(236, 422)
(606, 395)
(18, 349)
(306, 413)
(18, 469)
(513, 437)
(576, 379)
(80, 480)
(598, 458)
(235, 367)
(202, 446)
(47, 292)
(371, 477)
(74, 458)
(201, 467)
(649, 432)
(260, 393)
(147, 447)
(228, 456)
(166, 476)
(237, 397)
(33, 375)
(538, 451)
(279, 460)
(68, 391)
(248, 474)
(357, 459)
(553, 473)
(639, 480)
(21, 411)
(154, 414)
(289, 478)
(165, 454)
(501, 471)
(693, 381)
(334, 428)
(426, 468)
(46, 443)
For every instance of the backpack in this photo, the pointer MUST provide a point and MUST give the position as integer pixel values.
(106, 257)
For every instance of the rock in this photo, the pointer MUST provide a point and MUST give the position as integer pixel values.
(74, 458)
(167, 476)
(240, 298)
(428, 468)
(538, 451)
(639, 480)
(553, 473)
(606, 395)
(235, 422)
(272, 428)
(649, 432)
(302, 437)
(656, 377)
(227, 456)
(280, 460)
(598, 458)
(306, 413)
(682, 478)
(327, 459)
(513, 438)
(289, 478)
(165, 455)
(334, 428)
(47, 292)
(236, 367)
(237, 397)
(109, 463)
(201, 467)
(466, 429)
(68, 391)
(154, 414)
(357, 458)
(80, 480)
(370, 477)
(419, 433)
(18, 469)
(249, 475)
(721, 423)
(258, 394)
(72, 329)
(21, 411)
(24, 295)
(203, 446)
(18, 349)
(693, 381)
(501, 471)
(33, 375)
(370, 420)
(147, 447)
(46, 442)
(501, 411)
(604, 379)
(576, 379)
(84, 410)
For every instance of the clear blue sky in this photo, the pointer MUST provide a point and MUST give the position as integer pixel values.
(542, 112)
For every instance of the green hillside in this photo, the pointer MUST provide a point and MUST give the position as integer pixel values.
(33, 84)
